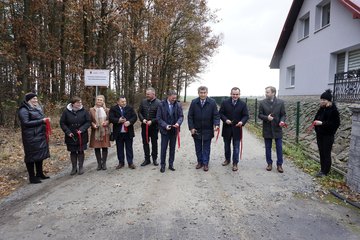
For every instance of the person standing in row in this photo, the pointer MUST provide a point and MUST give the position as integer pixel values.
(100, 132)
(272, 113)
(33, 132)
(149, 125)
(203, 120)
(75, 121)
(234, 114)
(123, 118)
(169, 116)
(326, 121)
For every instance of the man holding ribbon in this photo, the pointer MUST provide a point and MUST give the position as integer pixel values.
(272, 112)
(149, 125)
(123, 118)
(203, 120)
(234, 114)
(169, 116)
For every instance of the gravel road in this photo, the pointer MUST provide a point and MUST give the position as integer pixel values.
(186, 204)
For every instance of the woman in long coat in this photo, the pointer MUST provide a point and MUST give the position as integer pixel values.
(75, 122)
(33, 132)
(100, 132)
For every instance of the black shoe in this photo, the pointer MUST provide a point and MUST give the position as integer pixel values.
(42, 176)
(320, 174)
(172, 168)
(155, 162)
(145, 163)
(35, 180)
(162, 169)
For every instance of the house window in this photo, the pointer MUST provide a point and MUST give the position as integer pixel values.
(291, 76)
(304, 28)
(347, 61)
(322, 14)
(325, 15)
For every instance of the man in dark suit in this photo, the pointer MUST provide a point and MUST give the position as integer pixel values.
(272, 113)
(203, 120)
(123, 118)
(234, 114)
(169, 116)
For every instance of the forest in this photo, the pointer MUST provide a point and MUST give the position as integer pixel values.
(45, 45)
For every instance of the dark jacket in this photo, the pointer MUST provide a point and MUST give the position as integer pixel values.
(128, 113)
(203, 119)
(70, 122)
(33, 132)
(237, 113)
(164, 118)
(271, 129)
(147, 110)
(330, 118)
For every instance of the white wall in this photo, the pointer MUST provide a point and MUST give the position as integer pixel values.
(314, 63)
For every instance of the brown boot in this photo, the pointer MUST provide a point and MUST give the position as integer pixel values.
(81, 163)
(280, 169)
(269, 167)
(235, 167)
(226, 162)
(73, 158)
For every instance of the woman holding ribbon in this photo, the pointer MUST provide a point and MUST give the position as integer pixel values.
(99, 138)
(75, 121)
(35, 130)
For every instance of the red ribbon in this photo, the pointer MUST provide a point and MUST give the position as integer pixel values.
(80, 139)
(241, 142)
(48, 129)
(217, 135)
(311, 127)
(178, 136)
(147, 133)
(283, 125)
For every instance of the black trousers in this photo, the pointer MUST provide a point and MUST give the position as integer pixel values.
(153, 132)
(325, 143)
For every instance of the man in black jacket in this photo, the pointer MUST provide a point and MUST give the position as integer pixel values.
(203, 120)
(123, 117)
(234, 114)
(149, 125)
(170, 117)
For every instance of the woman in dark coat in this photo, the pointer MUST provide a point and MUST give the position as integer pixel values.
(326, 121)
(75, 122)
(33, 131)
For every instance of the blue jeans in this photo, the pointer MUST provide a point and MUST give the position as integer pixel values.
(167, 140)
(124, 141)
(268, 145)
(236, 149)
(202, 149)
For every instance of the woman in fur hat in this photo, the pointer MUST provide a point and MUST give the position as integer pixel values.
(33, 132)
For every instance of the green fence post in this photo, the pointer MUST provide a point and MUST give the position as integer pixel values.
(297, 121)
(255, 112)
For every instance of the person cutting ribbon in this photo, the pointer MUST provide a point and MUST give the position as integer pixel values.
(169, 117)
(234, 114)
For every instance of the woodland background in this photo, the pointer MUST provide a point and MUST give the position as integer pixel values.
(45, 45)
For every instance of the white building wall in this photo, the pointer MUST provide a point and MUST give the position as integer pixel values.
(314, 57)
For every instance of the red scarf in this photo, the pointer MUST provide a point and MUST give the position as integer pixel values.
(48, 129)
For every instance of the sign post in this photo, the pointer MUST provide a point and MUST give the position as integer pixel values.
(97, 77)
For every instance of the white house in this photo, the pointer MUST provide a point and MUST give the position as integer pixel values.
(319, 39)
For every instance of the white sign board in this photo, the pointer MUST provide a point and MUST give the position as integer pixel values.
(96, 77)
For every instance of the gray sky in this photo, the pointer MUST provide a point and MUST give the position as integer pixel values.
(250, 31)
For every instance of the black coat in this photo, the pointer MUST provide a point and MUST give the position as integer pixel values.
(330, 118)
(237, 113)
(33, 132)
(129, 114)
(271, 129)
(203, 119)
(72, 121)
(164, 119)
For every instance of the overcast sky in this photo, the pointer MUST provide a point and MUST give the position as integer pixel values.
(251, 30)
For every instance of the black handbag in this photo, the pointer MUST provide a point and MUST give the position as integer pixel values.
(112, 136)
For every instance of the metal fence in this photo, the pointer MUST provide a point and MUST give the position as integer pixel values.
(347, 86)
